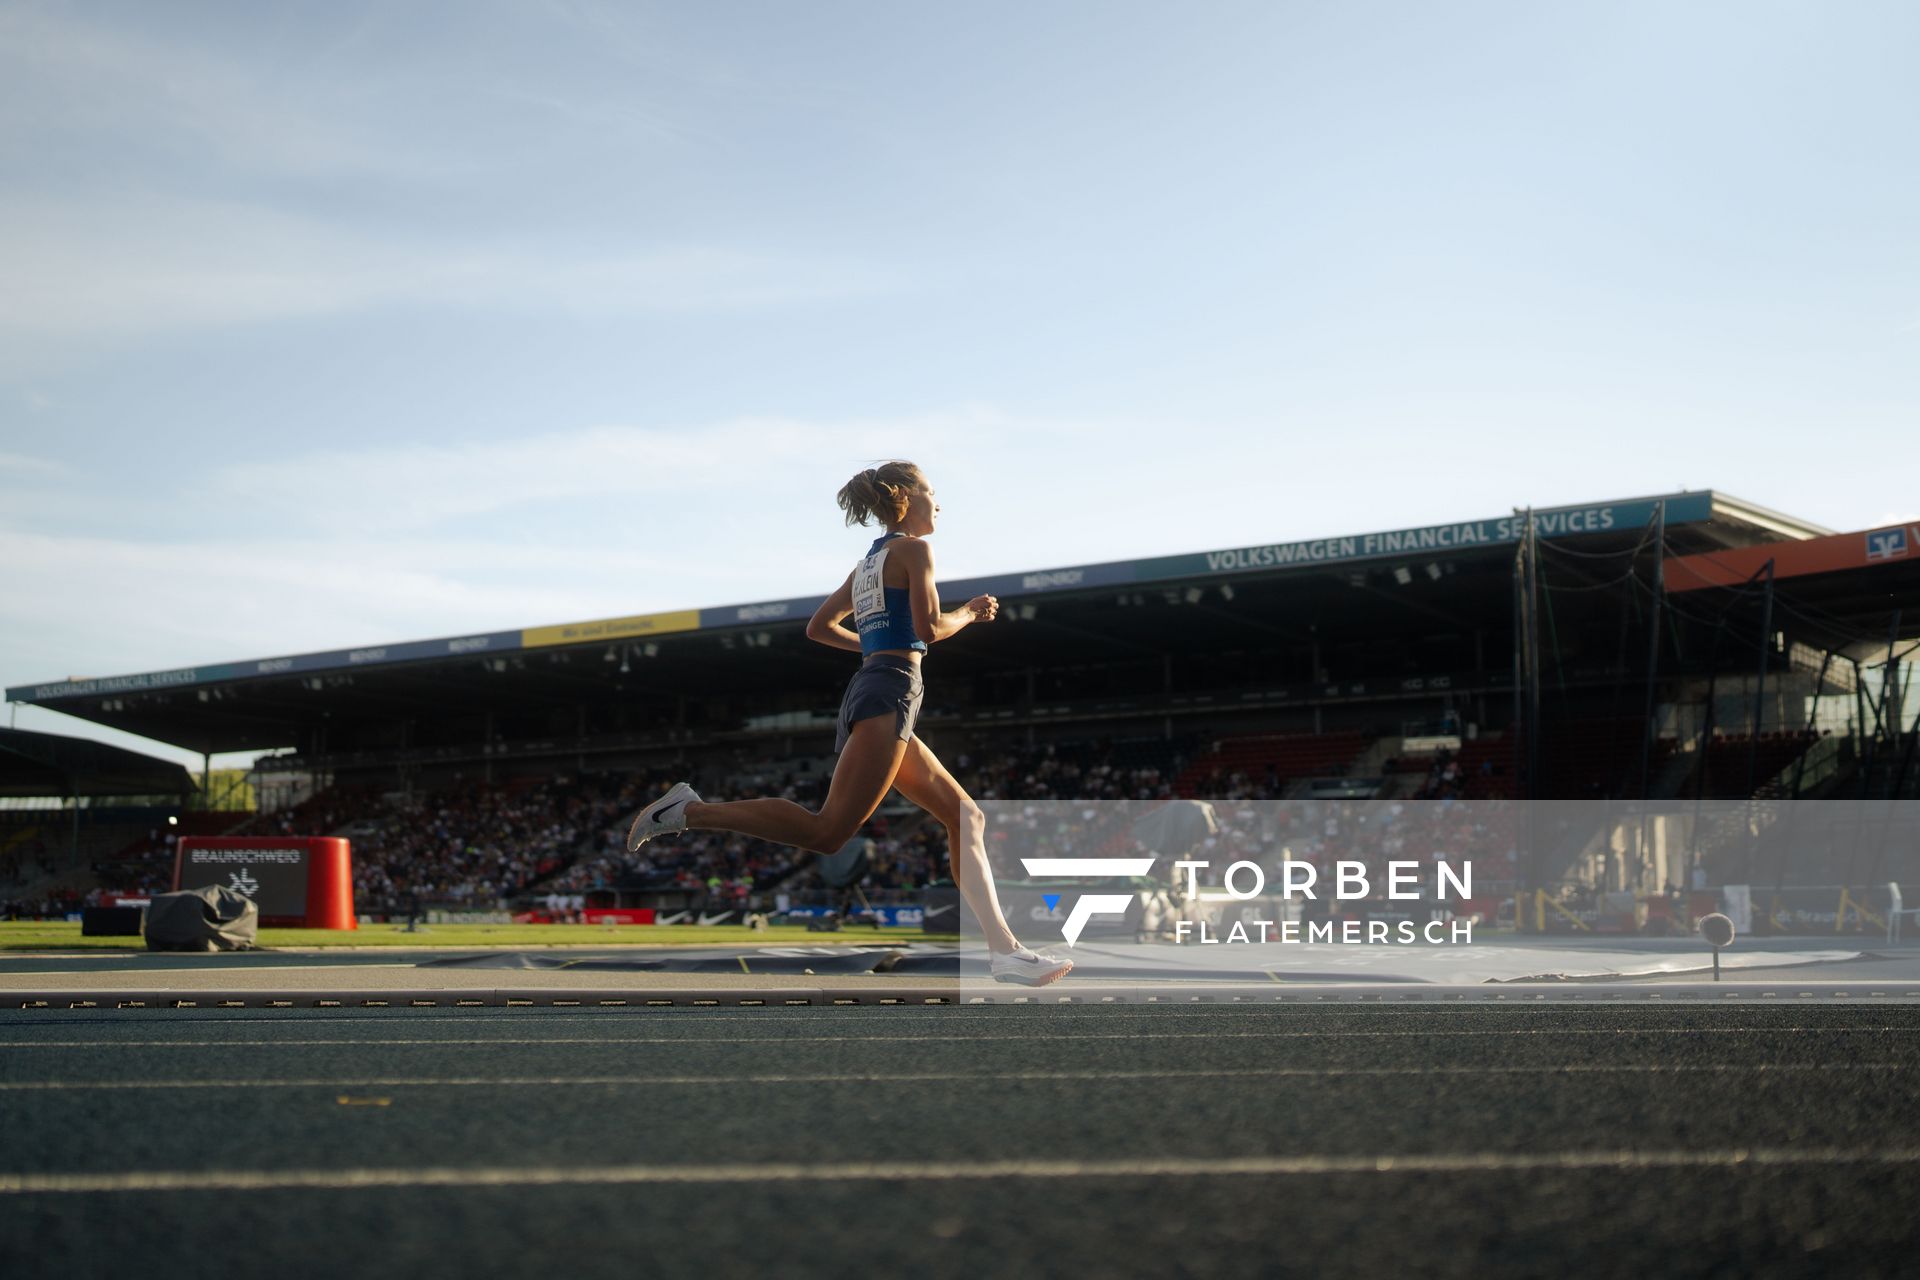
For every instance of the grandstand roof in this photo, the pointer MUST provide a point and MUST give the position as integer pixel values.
(1845, 589)
(47, 764)
(263, 703)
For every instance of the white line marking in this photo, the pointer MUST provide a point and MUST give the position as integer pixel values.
(935, 1171)
(1087, 866)
(936, 1039)
(930, 1077)
(892, 1014)
(90, 972)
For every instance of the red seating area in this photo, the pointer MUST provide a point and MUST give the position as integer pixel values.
(1267, 762)
(1485, 768)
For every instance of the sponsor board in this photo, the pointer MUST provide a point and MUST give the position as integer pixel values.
(1890, 544)
(940, 909)
(289, 664)
(1823, 909)
(620, 915)
(82, 688)
(699, 918)
(1556, 522)
(735, 615)
(643, 624)
(271, 871)
(905, 915)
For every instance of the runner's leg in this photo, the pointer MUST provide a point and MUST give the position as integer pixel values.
(861, 779)
(925, 781)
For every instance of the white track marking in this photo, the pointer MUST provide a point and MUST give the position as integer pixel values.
(1038, 1008)
(254, 969)
(1087, 866)
(939, 1171)
(930, 1077)
(924, 1039)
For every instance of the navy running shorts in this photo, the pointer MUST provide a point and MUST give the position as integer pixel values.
(885, 683)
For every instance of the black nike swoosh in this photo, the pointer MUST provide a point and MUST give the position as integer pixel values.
(661, 813)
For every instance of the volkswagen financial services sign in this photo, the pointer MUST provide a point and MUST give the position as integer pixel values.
(294, 880)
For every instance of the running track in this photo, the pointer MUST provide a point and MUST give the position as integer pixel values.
(973, 1141)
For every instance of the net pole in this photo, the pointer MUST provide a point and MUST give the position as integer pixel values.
(1760, 681)
(1653, 642)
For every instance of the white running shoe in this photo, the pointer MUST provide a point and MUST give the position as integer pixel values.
(1028, 967)
(663, 817)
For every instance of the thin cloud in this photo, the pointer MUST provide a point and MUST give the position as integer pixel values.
(632, 504)
(420, 486)
(22, 462)
(108, 606)
(80, 275)
(76, 79)
(207, 220)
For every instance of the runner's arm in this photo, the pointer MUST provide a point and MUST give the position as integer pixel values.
(929, 623)
(827, 625)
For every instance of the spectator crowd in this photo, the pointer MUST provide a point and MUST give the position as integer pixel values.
(559, 840)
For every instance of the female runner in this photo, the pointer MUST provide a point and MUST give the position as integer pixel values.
(896, 611)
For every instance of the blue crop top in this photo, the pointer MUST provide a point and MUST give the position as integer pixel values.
(882, 615)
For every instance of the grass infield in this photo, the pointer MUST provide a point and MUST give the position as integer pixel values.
(30, 935)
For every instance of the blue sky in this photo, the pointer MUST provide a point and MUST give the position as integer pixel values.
(328, 325)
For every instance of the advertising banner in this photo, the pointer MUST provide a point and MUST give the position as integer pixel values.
(272, 872)
(619, 915)
(903, 915)
(636, 627)
(1822, 909)
(294, 880)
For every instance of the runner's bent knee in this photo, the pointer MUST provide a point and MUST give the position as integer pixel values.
(832, 837)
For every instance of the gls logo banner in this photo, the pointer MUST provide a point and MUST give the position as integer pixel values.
(1087, 905)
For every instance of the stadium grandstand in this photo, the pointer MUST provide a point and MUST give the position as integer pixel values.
(110, 796)
(1688, 645)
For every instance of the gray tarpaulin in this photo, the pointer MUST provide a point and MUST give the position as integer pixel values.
(1175, 828)
(211, 919)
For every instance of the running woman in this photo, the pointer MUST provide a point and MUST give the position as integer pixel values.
(896, 611)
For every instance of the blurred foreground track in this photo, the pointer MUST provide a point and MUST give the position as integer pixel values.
(1769, 1136)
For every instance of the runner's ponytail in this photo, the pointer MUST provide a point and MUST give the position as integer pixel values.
(880, 492)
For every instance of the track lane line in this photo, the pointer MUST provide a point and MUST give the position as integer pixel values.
(935, 1077)
(940, 1171)
(940, 1039)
